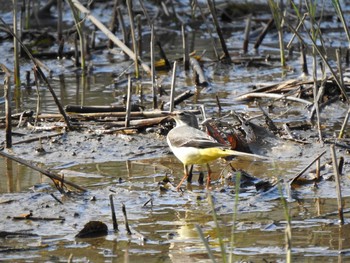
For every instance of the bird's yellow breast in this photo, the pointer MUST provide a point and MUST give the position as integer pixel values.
(192, 155)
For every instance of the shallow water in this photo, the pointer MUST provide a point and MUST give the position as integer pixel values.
(131, 166)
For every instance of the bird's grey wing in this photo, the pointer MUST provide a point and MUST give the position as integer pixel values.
(194, 138)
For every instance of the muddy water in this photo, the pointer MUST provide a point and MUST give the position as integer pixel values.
(130, 167)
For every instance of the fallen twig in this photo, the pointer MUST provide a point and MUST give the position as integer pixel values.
(271, 96)
(126, 220)
(304, 170)
(49, 174)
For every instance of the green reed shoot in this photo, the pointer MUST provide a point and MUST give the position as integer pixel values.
(234, 216)
(278, 16)
(217, 228)
(340, 14)
(16, 48)
(288, 230)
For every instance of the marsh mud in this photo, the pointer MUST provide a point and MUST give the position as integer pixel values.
(39, 220)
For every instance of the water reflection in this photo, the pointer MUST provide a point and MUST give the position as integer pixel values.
(17, 178)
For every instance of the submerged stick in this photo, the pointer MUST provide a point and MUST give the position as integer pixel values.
(246, 34)
(180, 98)
(303, 59)
(307, 167)
(198, 71)
(126, 220)
(114, 219)
(337, 181)
(263, 34)
(110, 35)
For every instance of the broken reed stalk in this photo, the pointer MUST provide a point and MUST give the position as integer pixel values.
(180, 98)
(8, 100)
(48, 173)
(163, 56)
(205, 242)
(109, 34)
(303, 60)
(76, 50)
(123, 28)
(340, 68)
(139, 39)
(337, 181)
(36, 80)
(113, 22)
(128, 103)
(263, 34)
(198, 72)
(212, 9)
(42, 76)
(16, 48)
(246, 34)
(172, 90)
(133, 37)
(59, 20)
(153, 71)
(114, 218)
(315, 91)
(343, 127)
(78, 25)
(126, 220)
(296, 177)
(186, 59)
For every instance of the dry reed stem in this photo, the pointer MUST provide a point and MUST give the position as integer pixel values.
(337, 182)
(128, 103)
(7, 96)
(110, 35)
(172, 93)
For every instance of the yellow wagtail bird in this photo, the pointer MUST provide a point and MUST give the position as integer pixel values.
(193, 146)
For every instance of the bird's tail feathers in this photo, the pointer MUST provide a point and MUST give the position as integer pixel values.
(244, 154)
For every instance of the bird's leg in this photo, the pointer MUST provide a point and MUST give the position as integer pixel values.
(183, 178)
(209, 176)
(189, 177)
